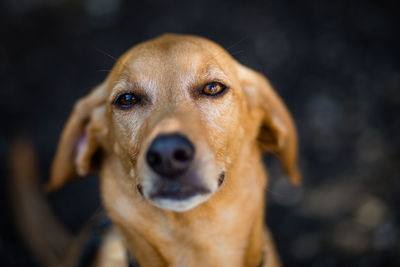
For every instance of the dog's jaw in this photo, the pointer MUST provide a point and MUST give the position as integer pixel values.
(180, 205)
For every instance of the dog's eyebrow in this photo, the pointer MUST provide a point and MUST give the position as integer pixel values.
(122, 83)
(140, 84)
(213, 73)
(199, 77)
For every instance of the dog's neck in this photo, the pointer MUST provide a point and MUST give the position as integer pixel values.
(227, 230)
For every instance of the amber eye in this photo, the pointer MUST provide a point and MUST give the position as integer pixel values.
(126, 100)
(213, 89)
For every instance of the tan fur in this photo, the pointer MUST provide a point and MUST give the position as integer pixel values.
(226, 227)
(45, 237)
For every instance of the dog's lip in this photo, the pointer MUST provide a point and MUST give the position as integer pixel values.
(221, 178)
(178, 191)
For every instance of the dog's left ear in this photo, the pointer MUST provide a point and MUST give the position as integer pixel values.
(81, 138)
(277, 133)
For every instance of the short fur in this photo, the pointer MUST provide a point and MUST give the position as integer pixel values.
(225, 227)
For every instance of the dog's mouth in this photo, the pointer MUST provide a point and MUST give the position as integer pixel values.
(178, 195)
(178, 191)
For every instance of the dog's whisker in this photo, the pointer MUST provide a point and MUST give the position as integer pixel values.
(229, 47)
(106, 54)
(237, 52)
(109, 55)
(237, 43)
(105, 70)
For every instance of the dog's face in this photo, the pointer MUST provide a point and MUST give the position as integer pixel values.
(176, 111)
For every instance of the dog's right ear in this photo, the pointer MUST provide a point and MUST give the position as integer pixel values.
(277, 133)
(81, 138)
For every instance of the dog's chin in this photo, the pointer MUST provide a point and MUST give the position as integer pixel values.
(179, 205)
(179, 195)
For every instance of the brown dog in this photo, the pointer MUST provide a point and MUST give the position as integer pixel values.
(177, 131)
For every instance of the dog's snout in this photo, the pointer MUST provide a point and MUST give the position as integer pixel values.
(170, 155)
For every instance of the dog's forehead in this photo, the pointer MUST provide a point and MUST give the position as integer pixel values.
(170, 48)
(174, 58)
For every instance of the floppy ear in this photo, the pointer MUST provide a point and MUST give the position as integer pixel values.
(277, 133)
(80, 139)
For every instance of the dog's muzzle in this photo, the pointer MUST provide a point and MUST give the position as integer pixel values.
(171, 157)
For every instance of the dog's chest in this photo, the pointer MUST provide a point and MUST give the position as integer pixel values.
(180, 242)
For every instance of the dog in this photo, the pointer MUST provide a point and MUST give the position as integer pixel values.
(176, 132)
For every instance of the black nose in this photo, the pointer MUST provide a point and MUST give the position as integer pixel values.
(170, 155)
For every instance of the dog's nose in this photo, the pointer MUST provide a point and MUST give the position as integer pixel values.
(170, 155)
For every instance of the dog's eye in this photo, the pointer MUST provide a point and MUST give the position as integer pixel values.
(126, 100)
(213, 89)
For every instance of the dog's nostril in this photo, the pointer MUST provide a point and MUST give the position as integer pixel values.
(182, 155)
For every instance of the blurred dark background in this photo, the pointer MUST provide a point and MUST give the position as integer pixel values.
(335, 63)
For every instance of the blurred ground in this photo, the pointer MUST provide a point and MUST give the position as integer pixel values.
(335, 63)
